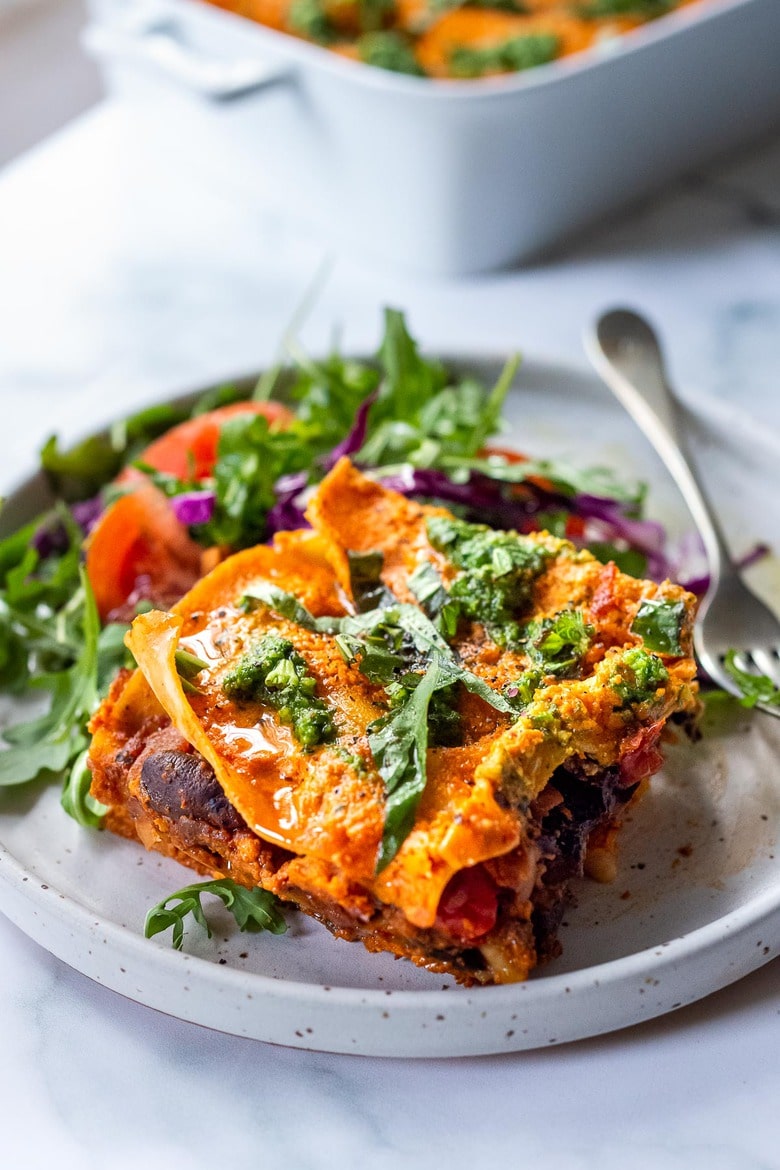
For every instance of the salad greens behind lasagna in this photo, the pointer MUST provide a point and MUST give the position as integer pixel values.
(406, 420)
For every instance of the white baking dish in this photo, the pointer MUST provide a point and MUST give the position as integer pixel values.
(445, 177)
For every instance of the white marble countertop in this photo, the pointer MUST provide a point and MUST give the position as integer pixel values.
(121, 280)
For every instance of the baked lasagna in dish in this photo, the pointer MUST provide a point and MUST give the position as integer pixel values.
(416, 729)
(455, 38)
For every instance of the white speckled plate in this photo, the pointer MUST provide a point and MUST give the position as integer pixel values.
(696, 904)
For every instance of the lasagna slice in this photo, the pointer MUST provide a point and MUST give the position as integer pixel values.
(415, 729)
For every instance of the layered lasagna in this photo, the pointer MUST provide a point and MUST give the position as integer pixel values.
(416, 729)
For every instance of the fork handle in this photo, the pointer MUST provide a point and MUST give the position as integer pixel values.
(625, 351)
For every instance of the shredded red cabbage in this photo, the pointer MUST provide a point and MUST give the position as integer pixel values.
(287, 513)
(483, 498)
(646, 536)
(355, 438)
(51, 536)
(196, 507)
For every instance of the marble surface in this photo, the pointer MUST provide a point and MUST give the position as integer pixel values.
(121, 279)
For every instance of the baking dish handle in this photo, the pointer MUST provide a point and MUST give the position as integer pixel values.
(158, 43)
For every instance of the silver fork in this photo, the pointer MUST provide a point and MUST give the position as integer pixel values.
(625, 351)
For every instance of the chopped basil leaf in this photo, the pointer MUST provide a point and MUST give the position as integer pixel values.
(368, 589)
(428, 587)
(659, 623)
(628, 560)
(399, 648)
(188, 667)
(286, 605)
(253, 910)
(558, 644)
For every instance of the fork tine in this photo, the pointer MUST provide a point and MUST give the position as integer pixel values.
(768, 663)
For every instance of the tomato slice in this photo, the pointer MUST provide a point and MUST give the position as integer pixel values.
(138, 550)
(189, 451)
(468, 907)
(640, 756)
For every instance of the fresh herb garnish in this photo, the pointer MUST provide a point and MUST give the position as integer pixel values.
(637, 675)
(659, 624)
(399, 744)
(628, 560)
(254, 910)
(558, 644)
(649, 9)
(368, 589)
(522, 691)
(510, 56)
(444, 610)
(274, 673)
(389, 49)
(398, 648)
(46, 746)
(309, 19)
(755, 688)
(76, 798)
(498, 572)
(188, 667)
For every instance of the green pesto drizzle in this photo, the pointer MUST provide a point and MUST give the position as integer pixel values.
(498, 571)
(274, 673)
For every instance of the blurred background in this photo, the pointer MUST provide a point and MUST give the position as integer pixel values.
(45, 78)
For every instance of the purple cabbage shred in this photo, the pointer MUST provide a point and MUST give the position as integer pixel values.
(287, 514)
(51, 536)
(197, 507)
(355, 438)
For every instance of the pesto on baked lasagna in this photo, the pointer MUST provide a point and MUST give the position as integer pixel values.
(415, 729)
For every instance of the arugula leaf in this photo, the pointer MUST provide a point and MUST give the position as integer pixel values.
(254, 910)
(755, 688)
(46, 745)
(410, 380)
(82, 470)
(399, 743)
(399, 648)
(659, 623)
(247, 467)
(76, 799)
